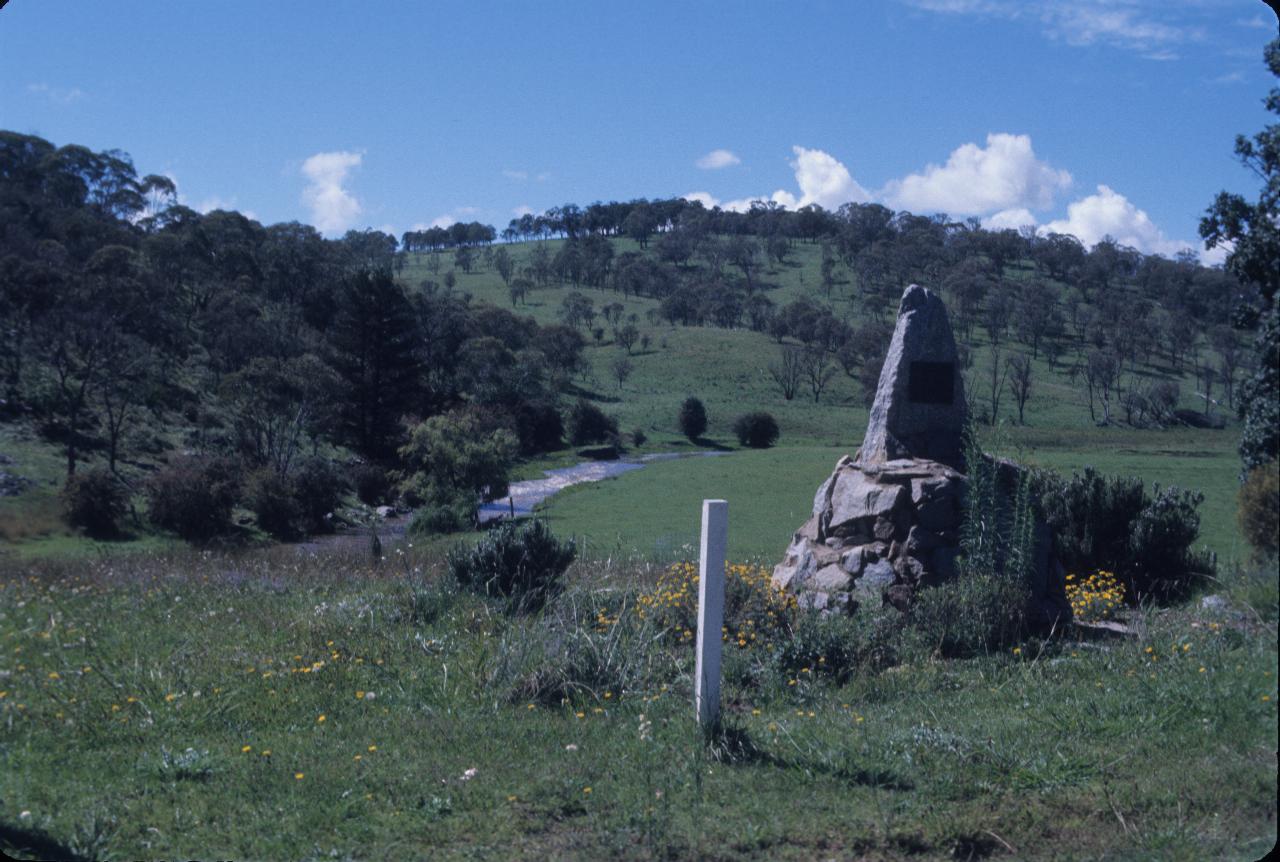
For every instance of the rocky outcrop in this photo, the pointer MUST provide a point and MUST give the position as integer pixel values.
(875, 526)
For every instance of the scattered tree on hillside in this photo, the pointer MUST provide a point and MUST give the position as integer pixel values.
(621, 369)
(1019, 371)
(692, 418)
(788, 371)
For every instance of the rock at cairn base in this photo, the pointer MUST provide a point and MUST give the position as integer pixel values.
(874, 527)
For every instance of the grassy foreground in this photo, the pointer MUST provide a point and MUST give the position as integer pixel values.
(280, 706)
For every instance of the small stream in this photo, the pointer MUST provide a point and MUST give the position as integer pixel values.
(520, 501)
(525, 495)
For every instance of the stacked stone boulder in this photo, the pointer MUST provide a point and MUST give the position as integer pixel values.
(887, 520)
(878, 533)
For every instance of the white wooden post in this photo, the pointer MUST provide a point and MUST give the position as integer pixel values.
(706, 685)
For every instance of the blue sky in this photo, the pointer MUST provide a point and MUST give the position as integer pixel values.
(1091, 117)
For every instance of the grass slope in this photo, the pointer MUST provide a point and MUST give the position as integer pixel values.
(281, 706)
(728, 371)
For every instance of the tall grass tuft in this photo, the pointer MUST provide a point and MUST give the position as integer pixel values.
(522, 562)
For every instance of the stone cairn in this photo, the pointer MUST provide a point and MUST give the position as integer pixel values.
(886, 521)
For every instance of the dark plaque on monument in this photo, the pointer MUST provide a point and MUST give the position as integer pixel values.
(931, 382)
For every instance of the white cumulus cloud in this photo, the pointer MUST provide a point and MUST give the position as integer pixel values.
(717, 159)
(333, 207)
(1109, 213)
(1004, 175)
(453, 216)
(704, 198)
(1011, 218)
(822, 179)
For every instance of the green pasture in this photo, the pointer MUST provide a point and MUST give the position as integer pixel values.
(281, 706)
(729, 371)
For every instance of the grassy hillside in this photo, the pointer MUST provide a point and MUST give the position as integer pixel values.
(281, 706)
(728, 370)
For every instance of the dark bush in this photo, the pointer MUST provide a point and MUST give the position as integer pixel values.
(1090, 515)
(95, 501)
(193, 496)
(270, 497)
(1161, 563)
(638, 437)
(1259, 509)
(758, 430)
(538, 426)
(589, 424)
(519, 561)
(372, 484)
(443, 516)
(1111, 523)
(317, 492)
(693, 418)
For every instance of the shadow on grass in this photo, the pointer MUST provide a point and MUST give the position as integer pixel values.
(707, 443)
(734, 745)
(35, 843)
(576, 391)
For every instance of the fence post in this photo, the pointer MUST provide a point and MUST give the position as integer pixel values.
(706, 685)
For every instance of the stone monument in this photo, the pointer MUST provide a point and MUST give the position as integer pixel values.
(886, 522)
(919, 409)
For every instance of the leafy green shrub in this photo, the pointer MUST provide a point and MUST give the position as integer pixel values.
(1161, 563)
(372, 484)
(452, 455)
(1111, 523)
(758, 430)
(437, 517)
(270, 497)
(589, 424)
(692, 418)
(836, 645)
(317, 492)
(520, 561)
(971, 615)
(1259, 509)
(1090, 515)
(193, 496)
(95, 501)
